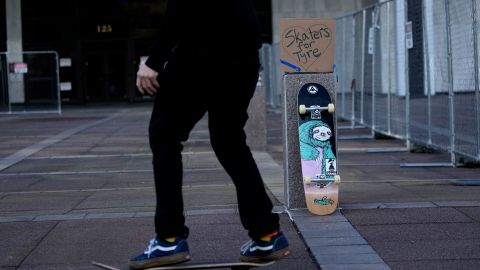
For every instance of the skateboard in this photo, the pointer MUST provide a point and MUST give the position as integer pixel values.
(234, 265)
(318, 150)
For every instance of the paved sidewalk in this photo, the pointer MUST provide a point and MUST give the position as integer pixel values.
(78, 187)
(403, 217)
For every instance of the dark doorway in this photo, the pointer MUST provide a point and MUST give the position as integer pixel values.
(104, 73)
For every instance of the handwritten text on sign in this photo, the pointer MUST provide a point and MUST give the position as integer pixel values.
(307, 47)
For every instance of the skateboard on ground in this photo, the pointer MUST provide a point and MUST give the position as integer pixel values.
(318, 151)
(234, 265)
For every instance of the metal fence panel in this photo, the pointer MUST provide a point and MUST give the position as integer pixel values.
(396, 106)
(267, 73)
(464, 109)
(443, 99)
(348, 67)
(358, 71)
(437, 114)
(476, 39)
(429, 95)
(420, 110)
(29, 83)
(339, 66)
(277, 74)
(368, 70)
(381, 91)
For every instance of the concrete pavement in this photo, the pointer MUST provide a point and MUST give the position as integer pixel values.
(410, 217)
(78, 187)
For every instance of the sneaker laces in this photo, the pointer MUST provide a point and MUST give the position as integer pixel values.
(148, 251)
(246, 246)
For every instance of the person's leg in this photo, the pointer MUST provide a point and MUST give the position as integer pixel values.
(176, 110)
(227, 118)
(169, 127)
(227, 113)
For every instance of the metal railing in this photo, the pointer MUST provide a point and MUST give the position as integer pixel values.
(29, 82)
(272, 76)
(427, 93)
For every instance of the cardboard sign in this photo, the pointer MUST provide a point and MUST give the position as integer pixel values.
(307, 45)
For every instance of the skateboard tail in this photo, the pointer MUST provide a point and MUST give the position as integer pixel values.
(321, 201)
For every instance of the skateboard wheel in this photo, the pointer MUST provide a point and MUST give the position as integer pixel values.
(337, 180)
(302, 109)
(331, 107)
(307, 180)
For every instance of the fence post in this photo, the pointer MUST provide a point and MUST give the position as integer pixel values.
(475, 61)
(267, 66)
(352, 89)
(407, 78)
(450, 82)
(59, 94)
(426, 57)
(374, 50)
(343, 69)
(362, 86)
(389, 86)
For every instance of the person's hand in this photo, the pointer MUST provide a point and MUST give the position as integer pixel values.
(147, 80)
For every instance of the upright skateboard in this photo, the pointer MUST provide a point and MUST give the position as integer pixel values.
(318, 151)
(234, 265)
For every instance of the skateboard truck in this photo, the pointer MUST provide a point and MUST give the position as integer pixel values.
(323, 182)
(316, 111)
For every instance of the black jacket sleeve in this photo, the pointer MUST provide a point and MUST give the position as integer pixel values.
(163, 44)
(210, 25)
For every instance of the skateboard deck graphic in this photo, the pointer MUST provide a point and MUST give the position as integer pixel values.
(318, 151)
(235, 265)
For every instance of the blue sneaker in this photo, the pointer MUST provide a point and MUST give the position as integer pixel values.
(260, 251)
(160, 253)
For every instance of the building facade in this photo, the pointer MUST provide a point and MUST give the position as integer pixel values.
(102, 42)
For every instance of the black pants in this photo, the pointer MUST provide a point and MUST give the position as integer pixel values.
(192, 84)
